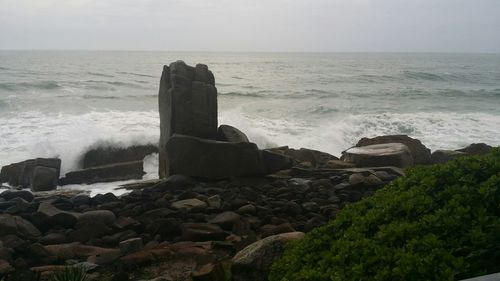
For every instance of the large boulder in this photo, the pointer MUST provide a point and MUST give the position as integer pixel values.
(254, 262)
(315, 157)
(379, 155)
(231, 134)
(18, 226)
(106, 173)
(108, 154)
(23, 173)
(44, 179)
(211, 159)
(188, 105)
(421, 155)
(476, 149)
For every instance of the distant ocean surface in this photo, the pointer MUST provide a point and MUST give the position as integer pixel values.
(60, 103)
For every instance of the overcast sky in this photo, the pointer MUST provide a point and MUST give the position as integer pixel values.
(252, 25)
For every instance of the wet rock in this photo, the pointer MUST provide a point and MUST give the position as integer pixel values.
(188, 106)
(21, 174)
(11, 194)
(107, 173)
(379, 155)
(230, 134)
(202, 232)
(44, 179)
(254, 261)
(109, 154)
(419, 153)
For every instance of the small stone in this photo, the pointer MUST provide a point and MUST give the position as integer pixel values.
(202, 232)
(226, 219)
(310, 206)
(189, 204)
(214, 201)
(131, 246)
(247, 209)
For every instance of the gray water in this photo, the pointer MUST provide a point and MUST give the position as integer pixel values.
(59, 103)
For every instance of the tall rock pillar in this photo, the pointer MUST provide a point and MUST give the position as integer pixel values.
(188, 105)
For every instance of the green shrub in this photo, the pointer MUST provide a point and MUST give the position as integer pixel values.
(440, 222)
(70, 273)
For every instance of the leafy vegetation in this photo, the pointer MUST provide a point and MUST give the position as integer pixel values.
(70, 273)
(440, 222)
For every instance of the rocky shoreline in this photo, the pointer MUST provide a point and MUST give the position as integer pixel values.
(222, 209)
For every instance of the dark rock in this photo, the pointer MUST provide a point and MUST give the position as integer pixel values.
(188, 105)
(230, 134)
(189, 204)
(274, 162)
(476, 149)
(44, 179)
(108, 154)
(98, 216)
(21, 174)
(53, 238)
(10, 194)
(87, 230)
(443, 156)
(420, 153)
(254, 262)
(209, 159)
(108, 173)
(378, 155)
(226, 219)
(51, 216)
(202, 232)
(131, 246)
(315, 157)
(270, 229)
(16, 225)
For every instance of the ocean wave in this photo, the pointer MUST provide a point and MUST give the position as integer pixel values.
(419, 75)
(100, 74)
(117, 83)
(135, 74)
(240, 94)
(4, 68)
(38, 85)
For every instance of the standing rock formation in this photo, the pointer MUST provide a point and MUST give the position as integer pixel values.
(188, 105)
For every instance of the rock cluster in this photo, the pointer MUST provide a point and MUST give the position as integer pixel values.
(221, 203)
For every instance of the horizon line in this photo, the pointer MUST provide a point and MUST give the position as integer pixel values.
(263, 52)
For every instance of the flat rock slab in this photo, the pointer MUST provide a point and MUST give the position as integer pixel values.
(420, 153)
(106, 173)
(387, 154)
(106, 155)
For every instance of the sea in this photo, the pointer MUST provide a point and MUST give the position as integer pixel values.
(61, 103)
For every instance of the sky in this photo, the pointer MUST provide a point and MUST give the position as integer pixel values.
(253, 25)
